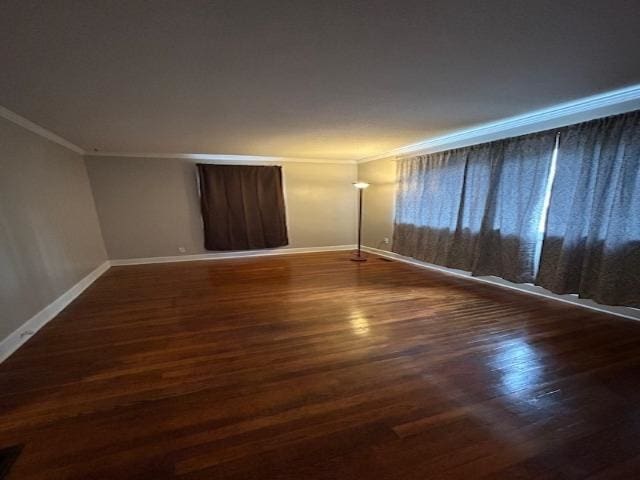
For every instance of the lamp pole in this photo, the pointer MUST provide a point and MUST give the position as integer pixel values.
(358, 257)
(360, 220)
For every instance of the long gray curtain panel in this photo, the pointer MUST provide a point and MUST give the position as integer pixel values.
(592, 240)
(242, 207)
(476, 209)
(511, 225)
(428, 203)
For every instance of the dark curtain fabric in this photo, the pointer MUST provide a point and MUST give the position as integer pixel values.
(476, 209)
(428, 204)
(592, 240)
(511, 228)
(475, 194)
(242, 207)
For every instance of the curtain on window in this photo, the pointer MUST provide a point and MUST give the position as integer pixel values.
(242, 207)
(477, 208)
(428, 203)
(592, 240)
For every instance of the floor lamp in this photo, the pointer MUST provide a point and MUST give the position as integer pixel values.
(357, 255)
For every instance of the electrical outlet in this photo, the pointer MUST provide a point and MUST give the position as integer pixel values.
(182, 249)
(385, 240)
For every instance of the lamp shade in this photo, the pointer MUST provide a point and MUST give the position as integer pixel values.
(360, 185)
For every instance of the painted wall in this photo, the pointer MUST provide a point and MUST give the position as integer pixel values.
(379, 202)
(49, 232)
(149, 207)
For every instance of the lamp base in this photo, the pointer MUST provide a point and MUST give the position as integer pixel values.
(358, 256)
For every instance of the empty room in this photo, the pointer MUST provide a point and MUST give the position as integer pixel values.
(278, 239)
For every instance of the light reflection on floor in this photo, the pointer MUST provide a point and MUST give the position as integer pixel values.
(519, 365)
(359, 323)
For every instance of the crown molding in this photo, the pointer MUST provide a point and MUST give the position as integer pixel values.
(603, 104)
(590, 107)
(223, 158)
(38, 130)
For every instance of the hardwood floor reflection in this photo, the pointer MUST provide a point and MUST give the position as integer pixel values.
(314, 367)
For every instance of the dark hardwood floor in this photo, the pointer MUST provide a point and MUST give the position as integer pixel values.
(315, 367)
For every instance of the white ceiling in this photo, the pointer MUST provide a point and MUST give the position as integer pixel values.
(316, 79)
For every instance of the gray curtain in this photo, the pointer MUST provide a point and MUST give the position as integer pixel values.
(476, 209)
(511, 228)
(592, 240)
(428, 203)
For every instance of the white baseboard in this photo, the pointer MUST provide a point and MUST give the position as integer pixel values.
(626, 312)
(16, 339)
(227, 255)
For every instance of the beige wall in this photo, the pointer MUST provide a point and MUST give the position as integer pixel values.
(49, 232)
(379, 202)
(148, 207)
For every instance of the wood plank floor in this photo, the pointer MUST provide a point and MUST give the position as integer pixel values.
(314, 367)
